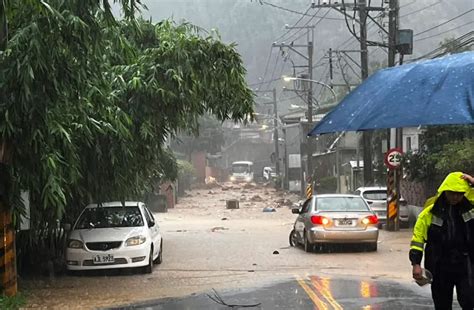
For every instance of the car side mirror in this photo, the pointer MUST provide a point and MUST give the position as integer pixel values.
(370, 202)
(67, 227)
(151, 224)
(295, 211)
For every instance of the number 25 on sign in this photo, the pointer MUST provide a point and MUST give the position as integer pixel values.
(393, 158)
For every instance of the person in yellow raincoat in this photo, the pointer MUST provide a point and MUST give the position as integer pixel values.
(444, 233)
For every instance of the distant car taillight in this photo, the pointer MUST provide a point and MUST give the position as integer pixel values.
(319, 220)
(372, 219)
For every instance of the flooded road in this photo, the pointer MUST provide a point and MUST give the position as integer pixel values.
(313, 292)
(207, 246)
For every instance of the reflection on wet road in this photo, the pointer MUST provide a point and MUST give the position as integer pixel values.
(312, 292)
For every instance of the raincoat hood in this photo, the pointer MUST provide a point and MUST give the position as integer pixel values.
(454, 183)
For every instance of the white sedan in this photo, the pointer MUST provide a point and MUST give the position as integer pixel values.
(114, 235)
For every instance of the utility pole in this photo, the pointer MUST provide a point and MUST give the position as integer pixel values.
(331, 76)
(275, 134)
(275, 127)
(394, 135)
(310, 106)
(363, 9)
(364, 66)
(309, 59)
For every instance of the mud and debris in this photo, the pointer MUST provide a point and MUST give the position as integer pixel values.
(202, 253)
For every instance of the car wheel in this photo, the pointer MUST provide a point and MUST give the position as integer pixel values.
(293, 238)
(372, 247)
(308, 247)
(149, 268)
(159, 259)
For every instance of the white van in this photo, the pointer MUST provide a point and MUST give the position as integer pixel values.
(242, 171)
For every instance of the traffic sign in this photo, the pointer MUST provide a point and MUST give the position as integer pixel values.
(393, 158)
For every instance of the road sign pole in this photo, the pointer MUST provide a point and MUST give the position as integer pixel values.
(393, 162)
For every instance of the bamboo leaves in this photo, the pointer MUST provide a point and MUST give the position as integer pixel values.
(89, 102)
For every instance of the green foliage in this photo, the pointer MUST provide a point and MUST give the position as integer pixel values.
(185, 169)
(12, 303)
(452, 47)
(209, 138)
(87, 103)
(442, 149)
(455, 156)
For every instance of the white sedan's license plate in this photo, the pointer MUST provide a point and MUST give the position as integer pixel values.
(103, 259)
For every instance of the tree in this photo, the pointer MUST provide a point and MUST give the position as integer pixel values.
(451, 46)
(87, 102)
(210, 138)
(443, 149)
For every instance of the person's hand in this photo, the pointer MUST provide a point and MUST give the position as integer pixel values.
(468, 178)
(417, 272)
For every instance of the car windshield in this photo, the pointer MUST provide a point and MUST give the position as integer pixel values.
(240, 168)
(108, 217)
(375, 195)
(353, 204)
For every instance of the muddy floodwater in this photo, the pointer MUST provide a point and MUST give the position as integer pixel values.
(207, 246)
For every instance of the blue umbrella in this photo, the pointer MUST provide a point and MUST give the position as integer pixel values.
(433, 92)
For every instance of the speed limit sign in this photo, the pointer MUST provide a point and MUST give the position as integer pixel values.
(393, 158)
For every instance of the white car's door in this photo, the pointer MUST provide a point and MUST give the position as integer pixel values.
(154, 231)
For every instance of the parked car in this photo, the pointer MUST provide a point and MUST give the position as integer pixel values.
(335, 218)
(376, 197)
(114, 235)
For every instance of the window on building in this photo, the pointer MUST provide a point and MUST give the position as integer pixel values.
(408, 144)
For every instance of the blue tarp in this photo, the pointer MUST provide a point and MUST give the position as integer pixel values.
(433, 92)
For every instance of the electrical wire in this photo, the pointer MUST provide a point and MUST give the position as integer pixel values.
(463, 41)
(319, 21)
(300, 29)
(295, 12)
(372, 24)
(294, 25)
(266, 69)
(273, 74)
(422, 9)
(272, 79)
(444, 23)
(353, 31)
(264, 82)
(449, 30)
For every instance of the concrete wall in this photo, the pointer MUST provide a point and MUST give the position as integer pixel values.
(198, 159)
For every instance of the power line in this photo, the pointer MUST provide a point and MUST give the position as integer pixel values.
(296, 12)
(419, 10)
(372, 24)
(449, 30)
(289, 30)
(300, 29)
(266, 68)
(324, 16)
(463, 41)
(448, 21)
(264, 82)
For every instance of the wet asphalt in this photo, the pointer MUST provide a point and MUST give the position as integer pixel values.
(310, 293)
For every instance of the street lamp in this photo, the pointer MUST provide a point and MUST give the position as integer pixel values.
(293, 78)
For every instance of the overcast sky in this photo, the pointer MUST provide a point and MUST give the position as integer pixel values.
(254, 27)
